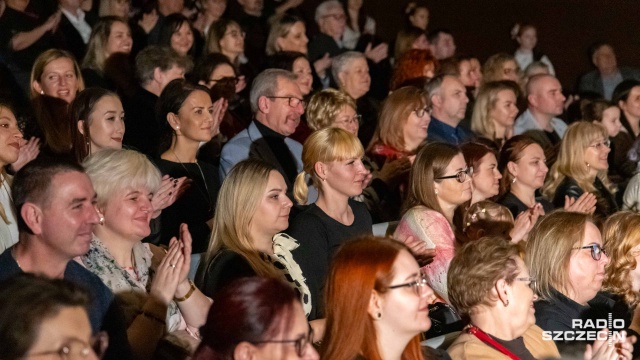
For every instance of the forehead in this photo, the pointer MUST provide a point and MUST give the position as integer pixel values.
(276, 180)
(457, 162)
(286, 87)
(335, 9)
(533, 150)
(298, 26)
(5, 113)
(224, 69)
(591, 234)
(301, 63)
(70, 185)
(197, 98)
(549, 84)
(60, 64)
(356, 64)
(604, 49)
(404, 266)
(451, 84)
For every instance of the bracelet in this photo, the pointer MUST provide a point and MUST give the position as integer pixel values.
(153, 317)
(189, 293)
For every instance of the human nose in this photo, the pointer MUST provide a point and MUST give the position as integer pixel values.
(497, 174)
(310, 352)
(427, 292)
(93, 217)
(287, 202)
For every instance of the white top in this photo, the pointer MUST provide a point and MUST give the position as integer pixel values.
(350, 37)
(525, 58)
(79, 23)
(8, 232)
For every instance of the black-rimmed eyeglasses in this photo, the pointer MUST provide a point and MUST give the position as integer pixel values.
(461, 175)
(299, 343)
(596, 250)
(293, 101)
(424, 111)
(233, 79)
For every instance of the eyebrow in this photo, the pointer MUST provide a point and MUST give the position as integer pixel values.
(75, 201)
(110, 111)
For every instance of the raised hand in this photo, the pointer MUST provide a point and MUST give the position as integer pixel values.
(167, 276)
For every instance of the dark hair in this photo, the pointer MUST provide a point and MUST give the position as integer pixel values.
(81, 107)
(405, 39)
(284, 60)
(621, 93)
(162, 57)
(411, 9)
(51, 117)
(170, 26)
(435, 34)
(171, 100)
(249, 309)
(208, 64)
(593, 110)
(511, 151)
(362, 16)
(26, 300)
(32, 183)
(595, 47)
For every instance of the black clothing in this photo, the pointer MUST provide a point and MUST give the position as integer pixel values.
(71, 38)
(516, 206)
(368, 108)
(275, 141)
(94, 79)
(322, 44)
(605, 205)
(143, 128)
(195, 206)
(320, 236)
(224, 268)
(516, 347)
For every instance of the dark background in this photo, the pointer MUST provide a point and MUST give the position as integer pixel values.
(566, 28)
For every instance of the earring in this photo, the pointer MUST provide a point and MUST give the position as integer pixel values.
(588, 164)
(101, 220)
(436, 191)
(507, 303)
(41, 92)
(513, 181)
(177, 127)
(379, 315)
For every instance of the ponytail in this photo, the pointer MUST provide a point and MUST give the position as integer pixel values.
(301, 189)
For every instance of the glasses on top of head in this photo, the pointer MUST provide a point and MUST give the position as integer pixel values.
(596, 250)
(293, 101)
(78, 349)
(421, 112)
(461, 175)
(417, 285)
(357, 119)
(601, 145)
(531, 280)
(299, 343)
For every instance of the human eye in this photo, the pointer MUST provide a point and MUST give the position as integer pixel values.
(111, 118)
(199, 111)
(52, 76)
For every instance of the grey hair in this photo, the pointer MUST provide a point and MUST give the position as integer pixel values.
(163, 57)
(112, 171)
(433, 86)
(342, 61)
(266, 84)
(324, 8)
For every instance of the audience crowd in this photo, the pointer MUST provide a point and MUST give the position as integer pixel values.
(213, 180)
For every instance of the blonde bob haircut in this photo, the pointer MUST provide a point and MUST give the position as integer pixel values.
(395, 114)
(114, 171)
(324, 106)
(326, 145)
(571, 162)
(280, 27)
(43, 60)
(239, 197)
(621, 238)
(548, 250)
(481, 121)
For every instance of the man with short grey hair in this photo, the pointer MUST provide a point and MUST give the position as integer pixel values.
(449, 103)
(276, 101)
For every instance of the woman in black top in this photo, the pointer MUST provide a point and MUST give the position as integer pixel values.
(332, 158)
(192, 118)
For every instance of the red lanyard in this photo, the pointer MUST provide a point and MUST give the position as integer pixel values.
(482, 336)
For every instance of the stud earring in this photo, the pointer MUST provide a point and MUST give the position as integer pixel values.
(513, 181)
(101, 220)
(507, 303)
(41, 92)
(379, 315)
(436, 191)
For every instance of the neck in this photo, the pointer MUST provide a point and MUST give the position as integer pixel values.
(525, 194)
(33, 256)
(495, 322)
(526, 51)
(262, 242)
(447, 210)
(153, 87)
(500, 132)
(121, 249)
(336, 206)
(634, 123)
(608, 72)
(18, 5)
(232, 56)
(182, 150)
(410, 145)
(476, 197)
(391, 343)
(543, 120)
(71, 9)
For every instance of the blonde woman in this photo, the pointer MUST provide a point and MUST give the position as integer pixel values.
(582, 167)
(495, 111)
(110, 35)
(332, 158)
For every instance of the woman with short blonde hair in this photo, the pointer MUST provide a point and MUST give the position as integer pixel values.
(495, 111)
(325, 106)
(331, 157)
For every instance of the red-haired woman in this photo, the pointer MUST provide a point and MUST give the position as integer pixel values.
(413, 66)
(377, 302)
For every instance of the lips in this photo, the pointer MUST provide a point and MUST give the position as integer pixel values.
(117, 139)
(15, 145)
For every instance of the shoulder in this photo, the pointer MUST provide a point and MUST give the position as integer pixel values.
(539, 346)
(467, 346)
(360, 211)
(79, 274)
(312, 216)
(239, 140)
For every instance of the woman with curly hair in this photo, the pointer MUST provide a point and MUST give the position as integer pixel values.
(412, 66)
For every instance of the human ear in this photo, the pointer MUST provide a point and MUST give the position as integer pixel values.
(243, 351)
(36, 86)
(375, 306)
(512, 168)
(81, 127)
(321, 170)
(32, 217)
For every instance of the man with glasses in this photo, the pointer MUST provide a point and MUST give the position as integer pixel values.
(449, 104)
(545, 102)
(276, 101)
(331, 21)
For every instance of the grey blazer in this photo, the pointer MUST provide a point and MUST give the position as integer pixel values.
(250, 144)
(592, 82)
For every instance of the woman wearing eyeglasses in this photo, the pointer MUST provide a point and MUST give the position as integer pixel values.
(377, 303)
(489, 283)
(582, 167)
(439, 182)
(564, 253)
(402, 129)
(332, 158)
(256, 318)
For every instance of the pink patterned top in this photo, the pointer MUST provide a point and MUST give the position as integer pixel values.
(433, 228)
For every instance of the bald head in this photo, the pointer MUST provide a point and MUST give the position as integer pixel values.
(544, 95)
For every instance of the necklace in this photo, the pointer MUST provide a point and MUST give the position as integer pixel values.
(205, 193)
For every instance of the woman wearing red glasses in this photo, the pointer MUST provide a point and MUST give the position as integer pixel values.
(439, 182)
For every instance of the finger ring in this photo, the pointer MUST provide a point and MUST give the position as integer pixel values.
(172, 265)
